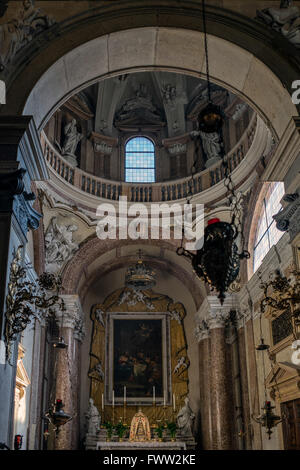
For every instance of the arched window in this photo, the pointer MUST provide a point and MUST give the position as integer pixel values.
(139, 161)
(267, 234)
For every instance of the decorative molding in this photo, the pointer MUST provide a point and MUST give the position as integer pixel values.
(102, 143)
(177, 149)
(202, 331)
(286, 153)
(288, 219)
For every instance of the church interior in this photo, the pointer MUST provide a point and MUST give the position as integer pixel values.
(117, 332)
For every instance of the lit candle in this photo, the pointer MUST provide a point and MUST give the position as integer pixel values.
(154, 395)
(174, 402)
(102, 402)
(124, 395)
(113, 398)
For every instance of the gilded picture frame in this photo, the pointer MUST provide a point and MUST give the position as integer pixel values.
(138, 358)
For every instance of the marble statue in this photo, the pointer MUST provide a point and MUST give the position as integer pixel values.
(239, 111)
(20, 30)
(59, 244)
(185, 419)
(72, 138)
(211, 144)
(285, 19)
(93, 419)
(140, 428)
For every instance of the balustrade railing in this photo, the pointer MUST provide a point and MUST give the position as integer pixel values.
(156, 192)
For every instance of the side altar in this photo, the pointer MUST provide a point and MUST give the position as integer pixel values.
(139, 369)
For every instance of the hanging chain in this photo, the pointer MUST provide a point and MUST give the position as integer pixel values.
(233, 199)
(206, 51)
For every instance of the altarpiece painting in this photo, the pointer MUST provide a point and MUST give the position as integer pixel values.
(138, 342)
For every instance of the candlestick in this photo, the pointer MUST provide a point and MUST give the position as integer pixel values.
(113, 398)
(174, 402)
(125, 394)
(164, 398)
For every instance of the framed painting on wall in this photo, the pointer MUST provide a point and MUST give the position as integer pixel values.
(138, 358)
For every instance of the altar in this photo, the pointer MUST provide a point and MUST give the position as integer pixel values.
(147, 445)
(139, 436)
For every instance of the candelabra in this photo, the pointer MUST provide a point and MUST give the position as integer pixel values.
(26, 299)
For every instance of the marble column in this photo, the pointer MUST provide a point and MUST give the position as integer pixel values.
(67, 371)
(202, 334)
(221, 398)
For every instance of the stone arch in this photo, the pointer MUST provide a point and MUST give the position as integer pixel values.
(76, 279)
(160, 35)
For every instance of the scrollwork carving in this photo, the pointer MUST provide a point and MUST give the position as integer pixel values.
(26, 299)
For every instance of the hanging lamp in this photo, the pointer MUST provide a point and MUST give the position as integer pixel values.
(218, 261)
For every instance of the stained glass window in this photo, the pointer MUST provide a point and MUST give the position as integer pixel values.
(267, 234)
(139, 161)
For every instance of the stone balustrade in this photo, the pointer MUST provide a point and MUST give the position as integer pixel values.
(156, 192)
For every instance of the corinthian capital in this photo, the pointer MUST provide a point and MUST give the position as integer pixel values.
(202, 331)
(73, 316)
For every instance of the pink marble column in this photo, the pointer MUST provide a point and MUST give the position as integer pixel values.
(205, 396)
(64, 361)
(220, 396)
(67, 373)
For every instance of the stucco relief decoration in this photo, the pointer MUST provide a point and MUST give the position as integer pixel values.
(128, 304)
(59, 244)
(140, 106)
(288, 218)
(182, 364)
(285, 20)
(21, 30)
(169, 94)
